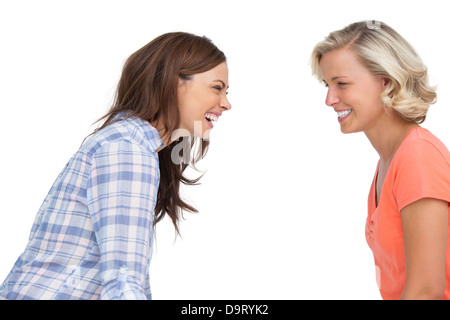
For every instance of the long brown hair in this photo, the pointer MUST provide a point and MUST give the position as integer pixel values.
(148, 89)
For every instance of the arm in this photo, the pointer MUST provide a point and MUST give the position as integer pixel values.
(121, 195)
(425, 229)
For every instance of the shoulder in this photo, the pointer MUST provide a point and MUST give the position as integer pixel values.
(128, 134)
(420, 169)
(422, 147)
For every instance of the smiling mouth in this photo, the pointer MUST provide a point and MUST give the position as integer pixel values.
(343, 114)
(211, 117)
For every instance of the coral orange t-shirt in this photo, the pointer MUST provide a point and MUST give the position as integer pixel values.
(419, 169)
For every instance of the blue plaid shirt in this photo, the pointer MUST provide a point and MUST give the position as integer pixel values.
(92, 237)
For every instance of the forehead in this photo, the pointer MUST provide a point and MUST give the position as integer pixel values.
(219, 72)
(340, 62)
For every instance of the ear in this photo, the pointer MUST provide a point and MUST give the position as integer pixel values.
(386, 82)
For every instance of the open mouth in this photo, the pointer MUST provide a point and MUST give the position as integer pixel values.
(210, 118)
(343, 114)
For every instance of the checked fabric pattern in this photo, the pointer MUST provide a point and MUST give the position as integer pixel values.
(92, 237)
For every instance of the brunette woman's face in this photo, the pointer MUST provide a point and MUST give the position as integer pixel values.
(202, 100)
(353, 92)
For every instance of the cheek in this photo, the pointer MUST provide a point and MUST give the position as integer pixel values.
(205, 101)
(362, 97)
(196, 104)
(373, 99)
(190, 105)
(211, 100)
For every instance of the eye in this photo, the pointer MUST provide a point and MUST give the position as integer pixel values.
(219, 89)
(341, 84)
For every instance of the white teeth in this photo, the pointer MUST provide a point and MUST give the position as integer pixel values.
(211, 117)
(344, 113)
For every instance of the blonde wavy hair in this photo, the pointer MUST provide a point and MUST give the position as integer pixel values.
(385, 53)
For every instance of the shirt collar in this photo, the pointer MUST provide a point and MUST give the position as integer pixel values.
(153, 136)
(147, 132)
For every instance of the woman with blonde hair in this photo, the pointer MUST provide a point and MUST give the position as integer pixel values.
(377, 84)
(93, 235)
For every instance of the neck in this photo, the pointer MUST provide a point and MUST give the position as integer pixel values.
(387, 136)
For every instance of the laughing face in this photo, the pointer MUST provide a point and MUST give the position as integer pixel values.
(202, 100)
(353, 92)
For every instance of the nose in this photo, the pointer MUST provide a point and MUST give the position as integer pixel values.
(331, 98)
(225, 104)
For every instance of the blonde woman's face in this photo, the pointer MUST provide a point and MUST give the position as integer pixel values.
(353, 92)
(202, 100)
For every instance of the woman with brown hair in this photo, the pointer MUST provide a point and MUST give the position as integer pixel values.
(92, 237)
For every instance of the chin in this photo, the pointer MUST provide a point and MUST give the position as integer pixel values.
(345, 130)
(206, 134)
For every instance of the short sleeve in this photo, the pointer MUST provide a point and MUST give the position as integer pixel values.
(422, 170)
(122, 192)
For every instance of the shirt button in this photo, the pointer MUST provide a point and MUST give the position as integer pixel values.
(123, 270)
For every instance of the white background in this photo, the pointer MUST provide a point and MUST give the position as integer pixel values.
(283, 202)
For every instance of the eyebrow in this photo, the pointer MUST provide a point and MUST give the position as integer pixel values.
(223, 83)
(337, 77)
